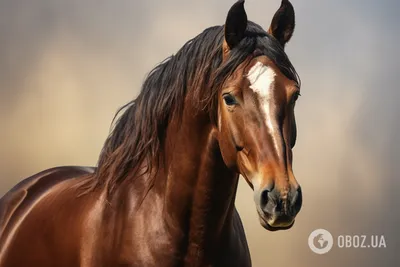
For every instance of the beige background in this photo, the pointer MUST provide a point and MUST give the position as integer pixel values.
(67, 65)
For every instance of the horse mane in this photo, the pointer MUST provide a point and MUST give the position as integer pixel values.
(134, 145)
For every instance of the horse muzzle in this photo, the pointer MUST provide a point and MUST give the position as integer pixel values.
(278, 212)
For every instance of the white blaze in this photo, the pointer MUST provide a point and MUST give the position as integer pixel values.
(261, 79)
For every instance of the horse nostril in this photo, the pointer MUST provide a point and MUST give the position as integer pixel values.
(297, 201)
(267, 202)
(264, 198)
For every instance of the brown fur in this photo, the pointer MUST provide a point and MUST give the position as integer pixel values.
(164, 190)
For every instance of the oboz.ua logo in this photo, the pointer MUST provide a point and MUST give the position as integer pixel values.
(320, 241)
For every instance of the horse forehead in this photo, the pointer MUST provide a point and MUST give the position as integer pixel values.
(261, 78)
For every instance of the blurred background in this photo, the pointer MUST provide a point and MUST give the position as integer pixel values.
(67, 65)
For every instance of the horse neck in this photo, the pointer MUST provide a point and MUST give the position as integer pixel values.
(199, 190)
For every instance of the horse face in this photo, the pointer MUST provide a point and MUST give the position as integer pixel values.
(257, 130)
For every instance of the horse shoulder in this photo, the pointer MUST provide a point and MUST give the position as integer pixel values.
(20, 200)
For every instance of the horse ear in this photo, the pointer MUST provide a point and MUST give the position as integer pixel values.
(282, 25)
(236, 24)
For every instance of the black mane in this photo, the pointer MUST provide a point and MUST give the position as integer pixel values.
(196, 68)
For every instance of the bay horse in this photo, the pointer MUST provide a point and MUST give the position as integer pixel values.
(164, 188)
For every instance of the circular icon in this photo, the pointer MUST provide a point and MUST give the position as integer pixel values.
(320, 241)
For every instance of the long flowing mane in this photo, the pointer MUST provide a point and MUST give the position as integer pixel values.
(138, 135)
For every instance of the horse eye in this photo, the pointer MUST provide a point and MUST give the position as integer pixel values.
(229, 99)
(295, 97)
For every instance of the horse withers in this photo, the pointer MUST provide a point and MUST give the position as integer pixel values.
(164, 189)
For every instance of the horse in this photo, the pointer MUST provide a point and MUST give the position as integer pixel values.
(163, 192)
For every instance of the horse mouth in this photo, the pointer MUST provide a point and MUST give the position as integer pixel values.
(264, 223)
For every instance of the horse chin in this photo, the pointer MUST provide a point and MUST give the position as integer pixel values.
(271, 228)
